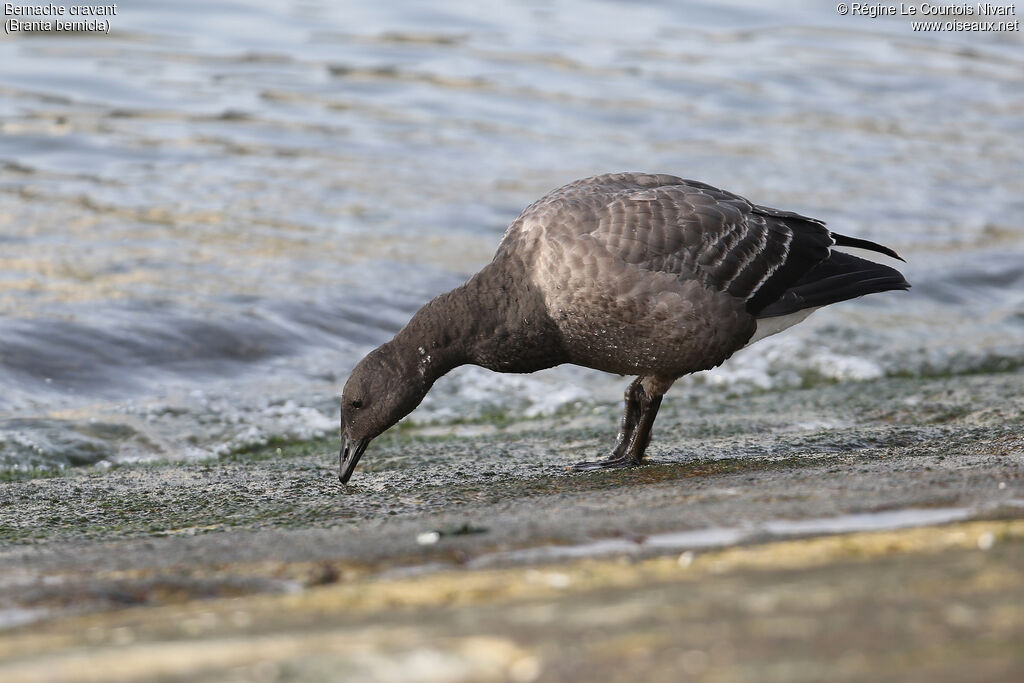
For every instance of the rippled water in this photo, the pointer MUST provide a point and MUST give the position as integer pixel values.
(208, 215)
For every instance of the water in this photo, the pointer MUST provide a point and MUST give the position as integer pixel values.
(210, 214)
(718, 537)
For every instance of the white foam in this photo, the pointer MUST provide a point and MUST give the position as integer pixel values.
(471, 391)
(785, 362)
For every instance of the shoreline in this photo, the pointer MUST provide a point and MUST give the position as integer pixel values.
(111, 548)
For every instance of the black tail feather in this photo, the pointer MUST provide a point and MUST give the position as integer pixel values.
(838, 278)
(844, 241)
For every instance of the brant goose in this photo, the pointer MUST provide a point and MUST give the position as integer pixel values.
(646, 275)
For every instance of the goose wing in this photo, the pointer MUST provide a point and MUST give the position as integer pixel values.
(668, 225)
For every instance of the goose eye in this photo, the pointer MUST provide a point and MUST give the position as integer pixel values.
(357, 403)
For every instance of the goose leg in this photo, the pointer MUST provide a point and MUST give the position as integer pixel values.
(634, 431)
(629, 418)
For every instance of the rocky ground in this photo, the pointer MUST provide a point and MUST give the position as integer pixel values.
(855, 531)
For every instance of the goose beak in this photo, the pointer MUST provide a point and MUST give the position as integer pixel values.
(351, 451)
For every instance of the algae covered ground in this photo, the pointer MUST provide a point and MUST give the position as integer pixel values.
(853, 531)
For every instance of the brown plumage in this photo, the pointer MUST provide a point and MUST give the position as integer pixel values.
(637, 274)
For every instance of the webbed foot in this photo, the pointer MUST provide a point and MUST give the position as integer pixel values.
(634, 432)
(612, 463)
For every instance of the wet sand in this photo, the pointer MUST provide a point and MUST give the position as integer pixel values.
(766, 541)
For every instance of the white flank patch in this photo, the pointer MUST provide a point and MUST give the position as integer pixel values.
(766, 327)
